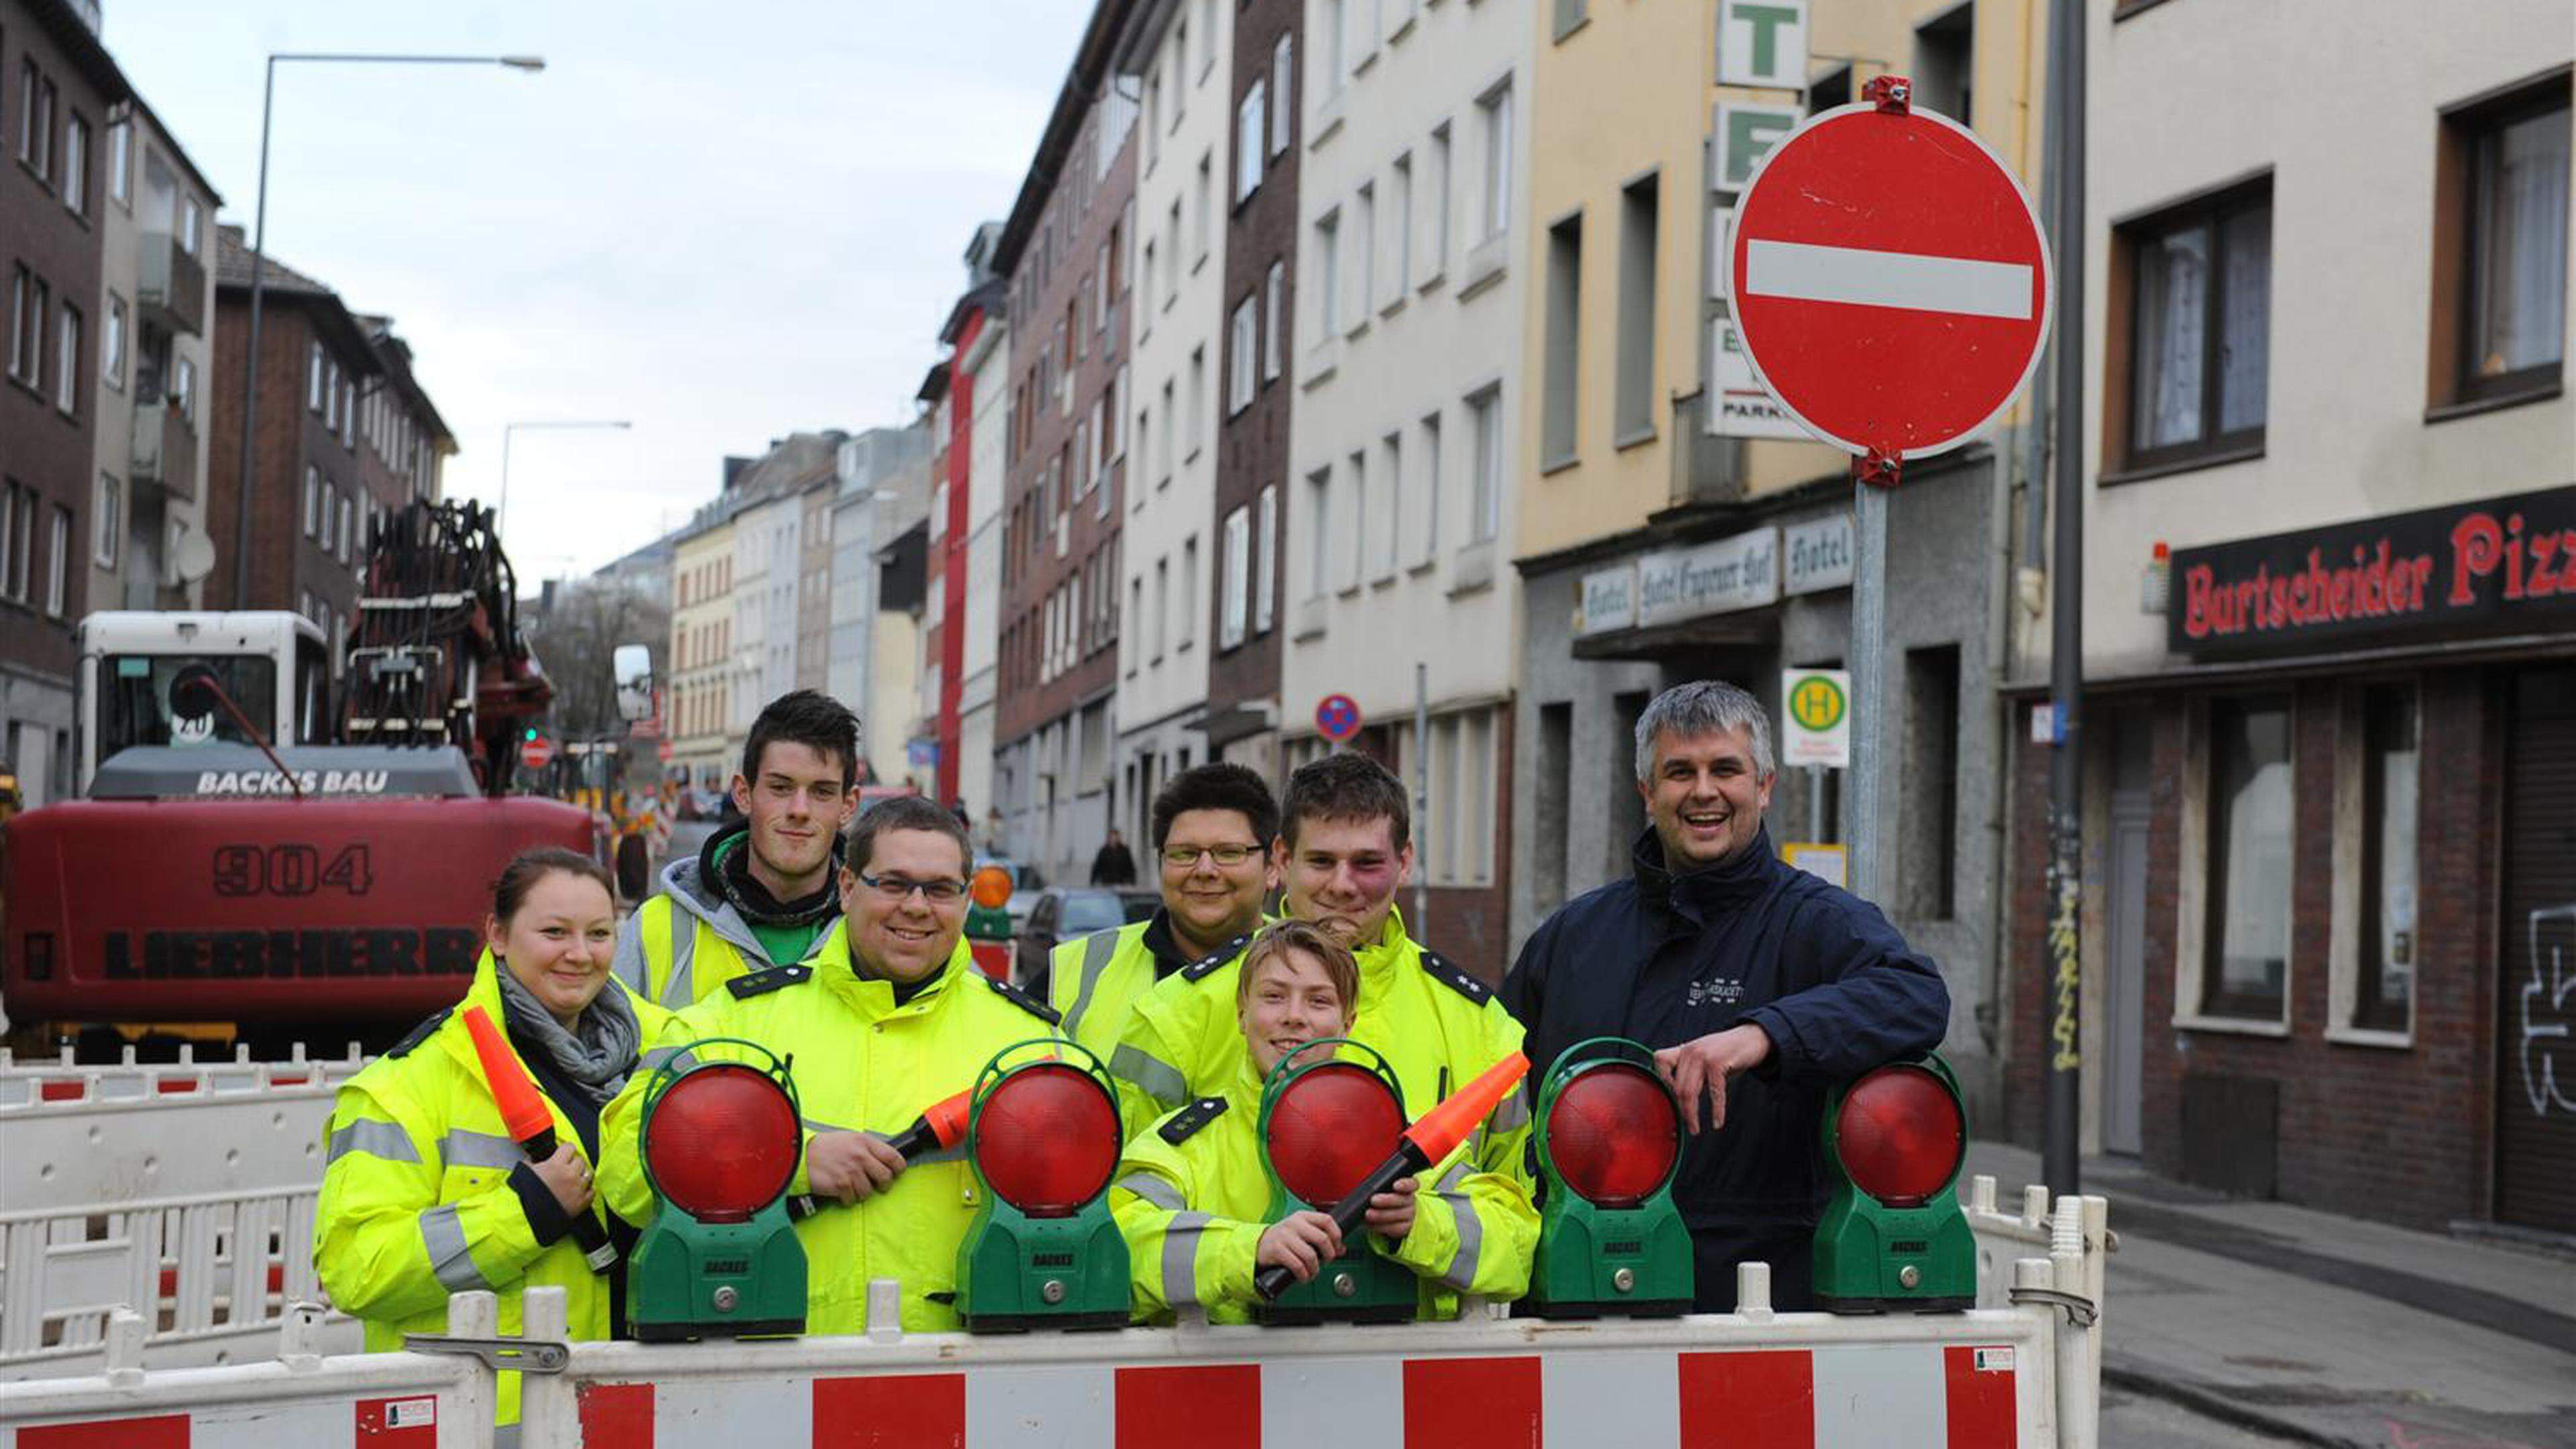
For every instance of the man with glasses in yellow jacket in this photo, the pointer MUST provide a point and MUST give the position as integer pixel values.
(886, 1017)
(1212, 828)
(1343, 852)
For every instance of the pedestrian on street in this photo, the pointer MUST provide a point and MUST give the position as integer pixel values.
(887, 1017)
(759, 892)
(1113, 866)
(1759, 987)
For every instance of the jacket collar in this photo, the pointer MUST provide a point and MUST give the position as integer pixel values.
(1736, 881)
(1382, 958)
(485, 992)
(873, 997)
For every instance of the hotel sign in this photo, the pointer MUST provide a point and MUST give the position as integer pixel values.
(1670, 586)
(2503, 565)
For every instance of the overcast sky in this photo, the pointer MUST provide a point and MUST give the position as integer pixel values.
(723, 222)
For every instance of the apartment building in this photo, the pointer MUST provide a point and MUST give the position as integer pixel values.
(148, 543)
(2329, 724)
(346, 436)
(699, 700)
(1674, 525)
(769, 521)
(1179, 54)
(58, 89)
(1063, 252)
(1247, 533)
(881, 476)
(983, 373)
(1412, 206)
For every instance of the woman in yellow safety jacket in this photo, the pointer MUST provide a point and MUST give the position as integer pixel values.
(425, 1194)
(1192, 1194)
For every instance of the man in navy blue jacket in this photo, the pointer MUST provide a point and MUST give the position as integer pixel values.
(1759, 986)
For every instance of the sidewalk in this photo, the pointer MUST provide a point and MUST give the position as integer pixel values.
(2327, 1329)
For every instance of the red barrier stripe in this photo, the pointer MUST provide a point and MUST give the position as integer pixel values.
(619, 1414)
(889, 1411)
(1471, 1403)
(408, 1421)
(61, 1091)
(289, 1079)
(1185, 1408)
(1980, 1394)
(172, 1086)
(1758, 1400)
(162, 1431)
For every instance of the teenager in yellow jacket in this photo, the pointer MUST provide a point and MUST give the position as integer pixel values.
(424, 1193)
(885, 1018)
(1192, 1196)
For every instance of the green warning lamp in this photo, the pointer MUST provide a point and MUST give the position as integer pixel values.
(1327, 1120)
(1043, 1137)
(721, 1139)
(1608, 1137)
(1894, 1237)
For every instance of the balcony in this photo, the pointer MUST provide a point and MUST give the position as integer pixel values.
(172, 287)
(165, 447)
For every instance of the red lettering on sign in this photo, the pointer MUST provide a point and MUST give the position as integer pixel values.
(2543, 582)
(2476, 544)
(2567, 572)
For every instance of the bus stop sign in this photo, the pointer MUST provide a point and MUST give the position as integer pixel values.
(1889, 279)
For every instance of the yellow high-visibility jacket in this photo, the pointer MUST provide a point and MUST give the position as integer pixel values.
(1192, 1197)
(416, 1200)
(1093, 980)
(864, 1064)
(1438, 1028)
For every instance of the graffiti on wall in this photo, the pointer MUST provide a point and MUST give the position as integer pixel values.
(2546, 1025)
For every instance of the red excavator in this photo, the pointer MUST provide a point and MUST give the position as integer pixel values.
(264, 853)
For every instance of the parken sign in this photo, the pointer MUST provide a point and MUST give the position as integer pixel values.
(2502, 565)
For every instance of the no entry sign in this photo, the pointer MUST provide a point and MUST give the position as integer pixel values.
(1890, 280)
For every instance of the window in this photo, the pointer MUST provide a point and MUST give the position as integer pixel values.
(1562, 377)
(76, 165)
(1328, 276)
(1928, 804)
(1494, 116)
(1319, 550)
(35, 119)
(192, 224)
(1402, 239)
(312, 502)
(1162, 606)
(2391, 754)
(17, 539)
(1118, 411)
(1337, 49)
(313, 379)
(1198, 399)
(2514, 288)
(1172, 249)
(111, 347)
(1265, 547)
(183, 388)
(1147, 317)
(1180, 70)
(1251, 140)
(1283, 95)
(1240, 381)
(1568, 18)
(1633, 402)
(2200, 328)
(67, 358)
(1356, 552)
(1428, 461)
(28, 301)
(1364, 247)
(106, 521)
(1439, 203)
(1171, 410)
(1203, 196)
(1390, 530)
(1235, 583)
(1485, 483)
(1189, 591)
(1830, 90)
(2246, 946)
(58, 575)
(1944, 57)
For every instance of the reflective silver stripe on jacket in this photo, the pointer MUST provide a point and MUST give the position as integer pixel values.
(1150, 1074)
(678, 1059)
(374, 1138)
(1181, 1259)
(679, 988)
(1511, 1113)
(1097, 949)
(1153, 1190)
(443, 1234)
(1461, 1273)
(460, 1148)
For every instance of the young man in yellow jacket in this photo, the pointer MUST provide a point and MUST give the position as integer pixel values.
(886, 1017)
(1344, 851)
(1212, 828)
(1192, 1196)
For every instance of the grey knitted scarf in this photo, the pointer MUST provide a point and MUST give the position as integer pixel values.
(597, 1053)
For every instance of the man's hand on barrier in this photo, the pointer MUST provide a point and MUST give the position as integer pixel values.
(851, 1166)
(1301, 1242)
(1702, 1066)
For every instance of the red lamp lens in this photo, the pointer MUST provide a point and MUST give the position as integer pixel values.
(1330, 1128)
(722, 1142)
(1900, 1135)
(1046, 1139)
(1613, 1134)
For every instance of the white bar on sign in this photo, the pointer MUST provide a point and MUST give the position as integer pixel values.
(1886, 279)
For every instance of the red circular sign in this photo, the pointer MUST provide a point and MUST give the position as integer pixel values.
(1889, 279)
(662, 751)
(536, 754)
(1337, 717)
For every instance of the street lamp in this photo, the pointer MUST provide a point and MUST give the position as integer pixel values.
(259, 266)
(501, 510)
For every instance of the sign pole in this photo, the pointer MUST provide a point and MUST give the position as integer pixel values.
(2060, 1135)
(1421, 797)
(1869, 705)
(1816, 803)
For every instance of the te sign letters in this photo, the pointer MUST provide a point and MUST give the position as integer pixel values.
(1762, 43)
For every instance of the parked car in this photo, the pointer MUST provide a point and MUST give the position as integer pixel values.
(1065, 913)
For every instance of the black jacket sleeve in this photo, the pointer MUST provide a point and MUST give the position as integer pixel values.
(1865, 998)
